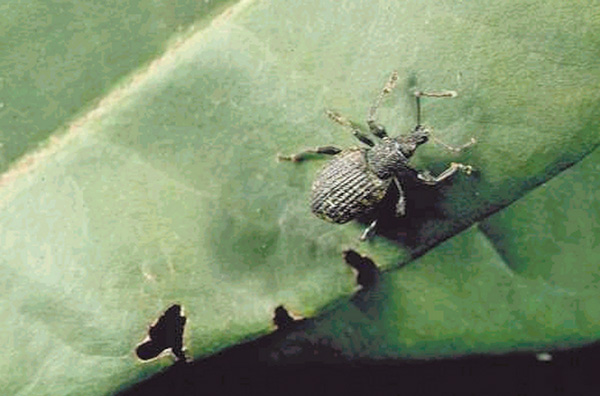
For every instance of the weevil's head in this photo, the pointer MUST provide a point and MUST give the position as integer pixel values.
(409, 143)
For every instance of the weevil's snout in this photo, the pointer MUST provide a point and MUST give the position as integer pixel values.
(420, 135)
(408, 144)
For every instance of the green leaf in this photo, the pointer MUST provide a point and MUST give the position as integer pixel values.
(168, 191)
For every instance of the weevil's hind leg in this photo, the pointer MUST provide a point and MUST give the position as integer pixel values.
(369, 231)
(431, 180)
(306, 154)
(401, 204)
(376, 129)
(338, 118)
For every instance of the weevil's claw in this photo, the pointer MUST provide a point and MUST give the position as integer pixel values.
(425, 175)
(467, 169)
(471, 142)
(337, 117)
(334, 115)
(281, 157)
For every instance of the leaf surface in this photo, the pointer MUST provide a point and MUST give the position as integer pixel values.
(169, 191)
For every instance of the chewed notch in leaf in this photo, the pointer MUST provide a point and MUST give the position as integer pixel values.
(282, 318)
(367, 271)
(166, 333)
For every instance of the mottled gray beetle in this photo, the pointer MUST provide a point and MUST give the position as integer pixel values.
(357, 179)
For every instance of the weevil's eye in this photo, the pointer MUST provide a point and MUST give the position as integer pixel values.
(420, 135)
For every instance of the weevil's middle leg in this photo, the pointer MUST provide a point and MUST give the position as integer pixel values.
(431, 180)
(337, 117)
(369, 231)
(401, 204)
(303, 155)
(376, 129)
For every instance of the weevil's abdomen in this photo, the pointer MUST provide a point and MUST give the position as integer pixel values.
(346, 188)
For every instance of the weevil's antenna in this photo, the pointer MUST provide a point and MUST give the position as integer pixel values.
(452, 148)
(442, 94)
(418, 97)
(389, 86)
(338, 118)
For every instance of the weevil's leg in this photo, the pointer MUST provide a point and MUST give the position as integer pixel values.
(362, 137)
(401, 204)
(337, 117)
(303, 155)
(376, 129)
(429, 179)
(369, 231)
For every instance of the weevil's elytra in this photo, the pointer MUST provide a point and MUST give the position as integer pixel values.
(346, 187)
(355, 181)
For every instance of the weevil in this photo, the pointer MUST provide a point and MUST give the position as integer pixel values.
(355, 181)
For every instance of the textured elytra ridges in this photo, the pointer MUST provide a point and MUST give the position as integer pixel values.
(346, 189)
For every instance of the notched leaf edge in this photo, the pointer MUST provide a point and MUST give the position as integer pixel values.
(166, 333)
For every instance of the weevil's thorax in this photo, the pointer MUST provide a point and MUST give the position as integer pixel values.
(386, 158)
(391, 155)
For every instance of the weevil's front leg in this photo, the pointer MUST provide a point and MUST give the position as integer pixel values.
(337, 117)
(376, 129)
(431, 180)
(369, 231)
(401, 204)
(303, 155)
